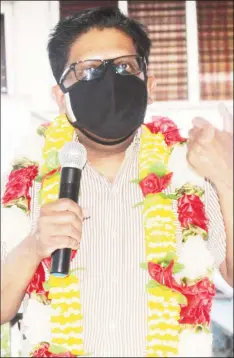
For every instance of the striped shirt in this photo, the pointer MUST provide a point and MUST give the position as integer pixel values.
(113, 293)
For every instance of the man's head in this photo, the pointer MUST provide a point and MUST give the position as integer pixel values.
(99, 34)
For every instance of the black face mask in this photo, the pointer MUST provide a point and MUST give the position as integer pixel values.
(111, 107)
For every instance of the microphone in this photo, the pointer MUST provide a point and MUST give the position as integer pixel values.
(72, 158)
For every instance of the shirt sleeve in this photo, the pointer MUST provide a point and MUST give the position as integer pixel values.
(16, 224)
(217, 234)
(14, 229)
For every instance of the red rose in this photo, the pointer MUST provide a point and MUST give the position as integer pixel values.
(163, 275)
(199, 301)
(18, 185)
(47, 261)
(199, 296)
(153, 184)
(36, 283)
(191, 211)
(43, 351)
(168, 128)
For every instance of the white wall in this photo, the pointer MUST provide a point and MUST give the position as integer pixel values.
(29, 78)
(28, 24)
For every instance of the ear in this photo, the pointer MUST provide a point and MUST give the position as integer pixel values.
(58, 96)
(151, 85)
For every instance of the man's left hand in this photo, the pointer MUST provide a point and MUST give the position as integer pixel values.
(210, 150)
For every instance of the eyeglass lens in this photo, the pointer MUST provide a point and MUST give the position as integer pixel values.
(92, 69)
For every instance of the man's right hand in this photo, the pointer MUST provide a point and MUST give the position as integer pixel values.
(59, 226)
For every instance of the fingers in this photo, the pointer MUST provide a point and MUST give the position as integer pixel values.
(206, 135)
(63, 218)
(63, 230)
(200, 122)
(202, 132)
(59, 226)
(65, 242)
(63, 205)
(227, 118)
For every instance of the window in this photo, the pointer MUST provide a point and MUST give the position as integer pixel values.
(215, 35)
(3, 57)
(166, 23)
(192, 48)
(69, 7)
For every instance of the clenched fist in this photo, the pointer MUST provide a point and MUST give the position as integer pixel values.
(210, 150)
(59, 226)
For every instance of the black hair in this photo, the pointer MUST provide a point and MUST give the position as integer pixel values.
(70, 28)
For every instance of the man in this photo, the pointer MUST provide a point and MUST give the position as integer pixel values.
(99, 59)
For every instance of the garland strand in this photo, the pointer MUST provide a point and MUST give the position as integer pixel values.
(64, 293)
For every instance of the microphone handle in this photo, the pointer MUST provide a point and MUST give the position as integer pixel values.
(69, 189)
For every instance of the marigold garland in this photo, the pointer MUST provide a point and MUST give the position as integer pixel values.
(170, 305)
(66, 320)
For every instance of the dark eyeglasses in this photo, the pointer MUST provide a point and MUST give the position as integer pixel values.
(89, 70)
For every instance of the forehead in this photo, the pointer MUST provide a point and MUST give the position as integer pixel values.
(101, 44)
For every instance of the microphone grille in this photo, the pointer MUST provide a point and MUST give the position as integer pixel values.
(73, 155)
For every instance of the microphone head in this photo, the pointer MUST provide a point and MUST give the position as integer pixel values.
(73, 155)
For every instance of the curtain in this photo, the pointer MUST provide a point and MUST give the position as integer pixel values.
(166, 23)
(215, 35)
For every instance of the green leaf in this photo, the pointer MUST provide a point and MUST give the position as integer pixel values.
(57, 349)
(39, 178)
(20, 203)
(158, 168)
(168, 196)
(23, 163)
(46, 285)
(144, 265)
(194, 231)
(135, 181)
(52, 160)
(77, 269)
(41, 131)
(188, 281)
(138, 204)
(168, 257)
(181, 299)
(200, 328)
(152, 284)
(149, 201)
(177, 267)
(166, 260)
(190, 189)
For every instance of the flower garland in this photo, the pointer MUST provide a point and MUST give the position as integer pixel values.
(63, 293)
(175, 303)
(180, 290)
